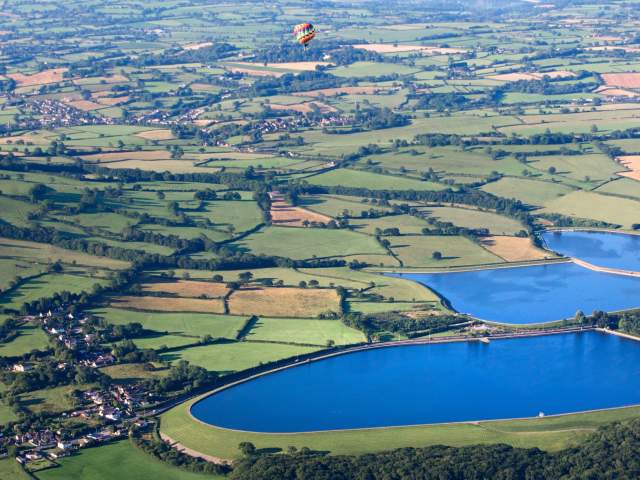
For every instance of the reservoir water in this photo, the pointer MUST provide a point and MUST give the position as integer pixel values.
(604, 249)
(537, 294)
(438, 383)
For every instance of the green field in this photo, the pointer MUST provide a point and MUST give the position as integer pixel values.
(7, 415)
(406, 223)
(51, 400)
(29, 258)
(46, 286)
(621, 186)
(189, 324)
(364, 307)
(309, 242)
(30, 337)
(16, 212)
(132, 372)
(446, 160)
(11, 470)
(531, 192)
(416, 251)
(595, 206)
(373, 181)
(469, 218)
(335, 205)
(116, 460)
(232, 357)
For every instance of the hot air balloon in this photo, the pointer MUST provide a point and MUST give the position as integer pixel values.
(304, 32)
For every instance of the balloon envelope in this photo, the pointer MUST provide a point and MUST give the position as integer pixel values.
(304, 32)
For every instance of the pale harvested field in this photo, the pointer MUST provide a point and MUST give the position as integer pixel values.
(404, 26)
(283, 302)
(285, 215)
(173, 166)
(201, 87)
(110, 101)
(618, 106)
(85, 105)
(514, 249)
(624, 80)
(617, 92)
(197, 46)
(605, 48)
(147, 155)
(331, 92)
(26, 138)
(303, 107)
(161, 134)
(166, 304)
(188, 288)
(389, 48)
(556, 74)
(54, 75)
(202, 122)
(117, 78)
(607, 38)
(514, 77)
(257, 73)
(632, 162)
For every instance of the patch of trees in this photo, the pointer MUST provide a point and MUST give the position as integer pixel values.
(205, 55)
(397, 323)
(331, 51)
(560, 220)
(372, 118)
(264, 203)
(547, 87)
(164, 452)
(128, 352)
(235, 181)
(9, 329)
(627, 322)
(47, 375)
(7, 85)
(443, 140)
(182, 376)
(114, 333)
(289, 83)
(438, 227)
(552, 53)
(442, 101)
(610, 452)
(611, 151)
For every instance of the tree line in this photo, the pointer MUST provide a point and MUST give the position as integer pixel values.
(609, 453)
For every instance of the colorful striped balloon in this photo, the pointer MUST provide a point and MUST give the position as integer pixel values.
(304, 32)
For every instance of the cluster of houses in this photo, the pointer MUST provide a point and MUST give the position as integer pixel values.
(52, 113)
(118, 403)
(73, 334)
(115, 407)
(48, 445)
